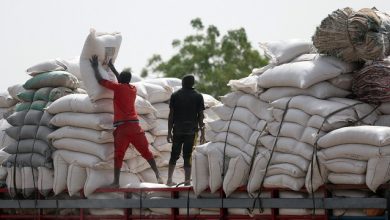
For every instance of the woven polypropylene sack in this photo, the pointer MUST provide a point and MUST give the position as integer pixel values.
(52, 79)
(105, 46)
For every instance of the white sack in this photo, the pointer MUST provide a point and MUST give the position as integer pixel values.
(106, 47)
(14, 180)
(288, 145)
(3, 173)
(29, 181)
(15, 90)
(377, 172)
(284, 181)
(230, 151)
(60, 173)
(371, 135)
(6, 100)
(292, 115)
(384, 108)
(162, 110)
(70, 65)
(344, 178)
(305, 73)
(239, 114)
(231, 98)
(161, 127)
(99, 121)
(246, 84)
(166, 81)
(75, 179)
(147, 122)
(343, 81)
(103, 151)
(161, 143)
(236, 175)
(322, 90)
(215, 158)
(236, 127)
(80, 103)
(100, 137)
(81, 159)
(152, 92)
(280, 52)
(353, 152)
(100, 178)
(342, 165)
(256, 106)
(45, 180)
(209, 101)
(200, 172)
(324, 108)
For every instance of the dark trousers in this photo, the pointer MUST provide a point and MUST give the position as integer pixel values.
(179, 141)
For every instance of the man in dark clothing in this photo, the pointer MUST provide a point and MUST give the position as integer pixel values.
(185, 120)
(126, 121)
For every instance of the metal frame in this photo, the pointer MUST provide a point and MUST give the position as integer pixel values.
(174, 203)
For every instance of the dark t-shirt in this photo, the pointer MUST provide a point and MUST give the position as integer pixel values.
(186, 104)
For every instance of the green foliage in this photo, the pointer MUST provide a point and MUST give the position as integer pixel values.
(213, 59)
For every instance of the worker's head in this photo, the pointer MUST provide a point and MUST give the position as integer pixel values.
(188, 81)
(124, 77)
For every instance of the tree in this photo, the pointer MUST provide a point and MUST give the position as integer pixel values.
(212, 59)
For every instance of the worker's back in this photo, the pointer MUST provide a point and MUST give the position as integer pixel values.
(186, 104)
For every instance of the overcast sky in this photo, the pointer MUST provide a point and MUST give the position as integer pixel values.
(38, 30)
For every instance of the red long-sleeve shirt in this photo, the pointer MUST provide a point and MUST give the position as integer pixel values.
(124, 99)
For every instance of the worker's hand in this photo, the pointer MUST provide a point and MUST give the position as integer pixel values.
(169, 137)
(94, 61)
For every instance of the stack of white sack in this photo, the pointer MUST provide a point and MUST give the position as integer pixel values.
(284, 107)
(7, 105)
(299, 122)
(307, 94)
(157, 92)
(30, 157)
(356, 155)
(161, 130)
(233, 140)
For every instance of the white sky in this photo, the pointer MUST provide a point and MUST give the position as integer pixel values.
(38, 30)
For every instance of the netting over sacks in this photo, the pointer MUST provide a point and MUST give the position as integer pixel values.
(354, 36)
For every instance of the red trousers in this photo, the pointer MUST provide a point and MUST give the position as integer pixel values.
(130, 133)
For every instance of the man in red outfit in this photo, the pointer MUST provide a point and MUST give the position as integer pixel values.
(126, 121)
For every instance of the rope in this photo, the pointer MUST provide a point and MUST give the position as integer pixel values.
(269, 161)
(14, 173)
(224, 152)
(255, 150)
(254, 156)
